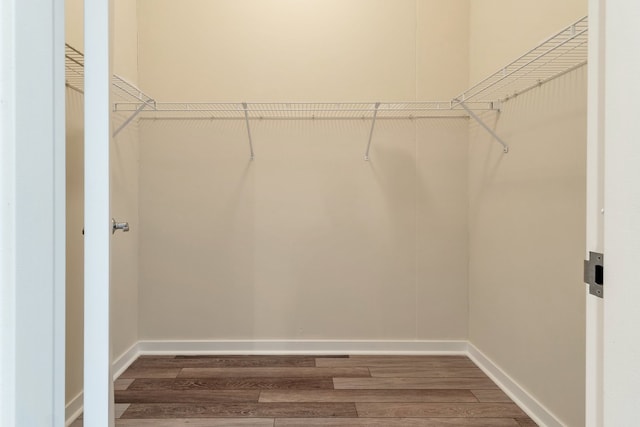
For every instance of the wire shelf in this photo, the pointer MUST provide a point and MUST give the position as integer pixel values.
(303, 111)
(74, 68)
(559, 54)
(123, 91)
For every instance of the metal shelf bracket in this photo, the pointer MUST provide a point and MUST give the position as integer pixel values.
(151, 103)
(475, 117)
(246, 118)
(373, 126)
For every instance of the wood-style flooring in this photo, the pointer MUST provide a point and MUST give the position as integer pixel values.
(310, 391)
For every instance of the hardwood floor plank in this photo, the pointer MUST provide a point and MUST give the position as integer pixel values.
(186, 396)
(221, 410)
(396, 422)
(122, 384)
(256, 356)
(273, 372)
(228, 362)
(491, 396)
(526, 422)
(412, 383)
(396, 362)
(197, 422)
(440, 410)
(429, 372)
(150, 373)
(367, 396)
(234, 383)
(119, 409)
(409, 358)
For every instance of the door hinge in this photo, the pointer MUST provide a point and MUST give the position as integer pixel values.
(594, 273)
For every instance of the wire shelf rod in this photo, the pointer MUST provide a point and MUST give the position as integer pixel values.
(574, 34)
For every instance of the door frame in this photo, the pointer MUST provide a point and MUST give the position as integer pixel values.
(32, 213)
(594, 322)
(98, 385)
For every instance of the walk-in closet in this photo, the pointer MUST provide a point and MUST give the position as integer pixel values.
(386, 190)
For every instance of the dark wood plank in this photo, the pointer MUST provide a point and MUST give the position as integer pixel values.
(396, 362)
(233, 383)
(526, 422)
(396, 422)
(440, 410)
(367, 396)
(132, 372)
(197, 422)
(412, 383)
(227, 362)
(257, 356)
(303, 410)
(491, 396)
(427, 372)
(186, 396)
(273, 372)
(122, 384)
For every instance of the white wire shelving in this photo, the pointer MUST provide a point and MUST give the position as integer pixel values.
(304, 111)
(122, 90)
(559, 54)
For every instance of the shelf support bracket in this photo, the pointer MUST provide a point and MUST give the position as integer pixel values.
(373, 126)
(246, 119)
(133, 116)
(475, 117)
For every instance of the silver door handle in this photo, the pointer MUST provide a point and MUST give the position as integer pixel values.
(115, 225)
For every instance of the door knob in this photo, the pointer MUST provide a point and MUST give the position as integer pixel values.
(115, 225)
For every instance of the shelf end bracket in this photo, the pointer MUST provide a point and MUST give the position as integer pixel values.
(246, 119)
(475, 117)
(373, 126)
(142, 106)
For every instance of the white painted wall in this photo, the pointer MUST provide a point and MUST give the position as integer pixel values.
(622, 205)
(527, 214)
(308, 241)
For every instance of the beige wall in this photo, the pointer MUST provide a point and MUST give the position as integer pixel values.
(527, 214)
(124, 201)
(308, 241)
(75, 242)
(124, 190)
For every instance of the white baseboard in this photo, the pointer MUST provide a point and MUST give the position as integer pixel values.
(528, 403)
(291, 347)
(125, 360)
(536, 411)
(73, 409)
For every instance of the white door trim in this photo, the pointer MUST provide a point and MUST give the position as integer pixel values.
(595, 217)
(32, 214)
(621, 373)
(98, 384)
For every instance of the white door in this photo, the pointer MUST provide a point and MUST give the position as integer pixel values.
(98, 382)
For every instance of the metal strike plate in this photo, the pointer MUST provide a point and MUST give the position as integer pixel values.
(115, 225)
(594, 274)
